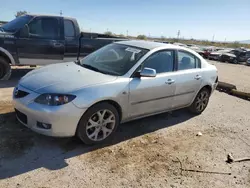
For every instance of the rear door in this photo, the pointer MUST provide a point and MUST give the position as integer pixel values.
(45, 43)
(189, 78)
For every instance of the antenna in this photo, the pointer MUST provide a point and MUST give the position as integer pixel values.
(61, 12)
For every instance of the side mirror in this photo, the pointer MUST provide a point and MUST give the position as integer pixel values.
(25, 31)
(148, 72)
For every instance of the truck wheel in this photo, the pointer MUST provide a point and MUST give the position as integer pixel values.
(5, 69)
(98, 124)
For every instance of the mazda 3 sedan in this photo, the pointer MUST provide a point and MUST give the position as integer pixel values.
(118, 83)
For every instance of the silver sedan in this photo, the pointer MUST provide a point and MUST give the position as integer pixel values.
(120, 82)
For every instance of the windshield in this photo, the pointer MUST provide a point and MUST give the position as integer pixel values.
(114, 59)
(16, 24)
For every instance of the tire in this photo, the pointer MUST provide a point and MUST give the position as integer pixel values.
(91, 126)
(235, 61)
(5, 69)
(200, 102)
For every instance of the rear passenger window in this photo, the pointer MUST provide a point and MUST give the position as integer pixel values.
(162, 61)
(69, 29)
(187, 61)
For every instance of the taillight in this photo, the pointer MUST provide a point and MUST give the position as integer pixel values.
(216, 81)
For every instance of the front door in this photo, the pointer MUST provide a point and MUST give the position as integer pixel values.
(44, 45)
(154, 94)
(189, 78)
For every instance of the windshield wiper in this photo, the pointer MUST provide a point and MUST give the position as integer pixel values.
(92, 68)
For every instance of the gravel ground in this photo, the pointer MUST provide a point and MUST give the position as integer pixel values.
(159, 151)
(238, 75)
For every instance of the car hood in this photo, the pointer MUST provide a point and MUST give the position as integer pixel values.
(62, 78)
(230, 55)
(215, 53)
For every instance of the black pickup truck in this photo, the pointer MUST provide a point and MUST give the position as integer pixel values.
(45, 39)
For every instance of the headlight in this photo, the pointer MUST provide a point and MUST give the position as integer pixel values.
(54, 99)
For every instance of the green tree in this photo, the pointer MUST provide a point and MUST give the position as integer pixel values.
(163, 38)
(121, 35)
(236, 44)
(20, 13)
(142, 37)
(108, 33)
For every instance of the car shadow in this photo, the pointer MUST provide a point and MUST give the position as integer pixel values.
(23, 151)
(16, 75)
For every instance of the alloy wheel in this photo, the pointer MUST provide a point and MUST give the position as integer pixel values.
(202, 101)
(100, 125)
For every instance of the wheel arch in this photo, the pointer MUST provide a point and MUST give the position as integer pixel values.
(6, 55)
(113, 103)
(207, 87)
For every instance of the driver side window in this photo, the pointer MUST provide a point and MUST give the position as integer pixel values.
(162, 61)
(47, 28)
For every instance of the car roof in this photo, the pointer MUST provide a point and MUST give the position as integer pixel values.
(50, 15)
(146, 44)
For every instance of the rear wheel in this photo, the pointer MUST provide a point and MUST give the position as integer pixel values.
(200, 101)
(5, 69)
(98, 124)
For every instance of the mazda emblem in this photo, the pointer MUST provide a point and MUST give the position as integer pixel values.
(16, 91)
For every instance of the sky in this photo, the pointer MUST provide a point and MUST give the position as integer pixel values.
(200, 19)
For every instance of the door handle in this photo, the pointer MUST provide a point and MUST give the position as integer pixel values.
(197, 77)
(57, 45)
(169, 81)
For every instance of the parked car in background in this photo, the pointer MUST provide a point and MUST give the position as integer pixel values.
(45, 39)
(180, 44)
(203, 51)
(248, 62)
(235, 56)
(216, 54)
(120, 82)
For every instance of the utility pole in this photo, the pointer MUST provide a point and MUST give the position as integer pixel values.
(213, 38)
(178, 34)
(61, 12)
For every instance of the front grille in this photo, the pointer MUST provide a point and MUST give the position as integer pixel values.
(21, 116)
(20, 93)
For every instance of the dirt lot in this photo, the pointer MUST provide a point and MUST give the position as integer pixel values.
(160, 151)
(238, 75)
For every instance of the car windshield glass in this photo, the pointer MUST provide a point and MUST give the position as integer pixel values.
(16, 24)
(113, 59)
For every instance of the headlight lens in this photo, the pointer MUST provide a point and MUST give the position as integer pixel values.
(54, 99)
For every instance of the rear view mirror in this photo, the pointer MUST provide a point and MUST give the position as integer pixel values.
(148, 72)
(24, 32)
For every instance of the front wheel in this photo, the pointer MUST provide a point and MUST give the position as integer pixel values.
(235, 61)
(5, 69)
(98, 124)
(200, 102)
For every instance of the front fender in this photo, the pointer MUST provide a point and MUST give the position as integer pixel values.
(117, 91)
(8, 55)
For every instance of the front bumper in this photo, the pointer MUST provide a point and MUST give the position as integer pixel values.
(63, 119)
(214, 57)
